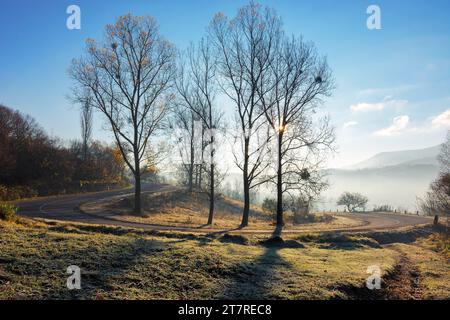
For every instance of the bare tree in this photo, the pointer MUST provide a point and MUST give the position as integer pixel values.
(437, 199)
(183, 122)
(86, 125)
(129, 76)
(352, 201)
(291, 91)
(197, 87)
(244, 45)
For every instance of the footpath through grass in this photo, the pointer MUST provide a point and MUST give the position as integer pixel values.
(119, 263)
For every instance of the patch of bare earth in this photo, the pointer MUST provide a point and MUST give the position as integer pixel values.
(401, 283)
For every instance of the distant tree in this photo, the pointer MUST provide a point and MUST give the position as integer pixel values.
(32, 163)
(352, 201)
(128, 77)
(183, 123)
(269, 205)
(105, 163)
(197, 87)
(300, 206)
(25, 149)
(383, 208)
(437, 199)
(155, 160)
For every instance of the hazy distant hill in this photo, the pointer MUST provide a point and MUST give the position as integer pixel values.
(384, 159)
(395, 178)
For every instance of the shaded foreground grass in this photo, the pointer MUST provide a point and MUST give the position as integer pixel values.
(120, 263)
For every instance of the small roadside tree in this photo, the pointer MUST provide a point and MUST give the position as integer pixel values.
(352, 201)
(437, 198)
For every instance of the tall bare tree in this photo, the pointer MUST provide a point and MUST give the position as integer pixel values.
(291, 90)
(197, 86)
(129, 76)
(86, 125)
(244, 45)
(183, 123)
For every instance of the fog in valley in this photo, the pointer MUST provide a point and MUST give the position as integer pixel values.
(395, 179)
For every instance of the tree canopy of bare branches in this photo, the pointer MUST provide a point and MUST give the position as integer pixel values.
(244, 45)
(183, 123)
(128, 76)
(352, 201)
(291, 91)
(197, 87)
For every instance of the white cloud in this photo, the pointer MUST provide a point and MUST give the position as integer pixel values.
(350, 124)
(399, 124)
(442, 120)
(388, 102)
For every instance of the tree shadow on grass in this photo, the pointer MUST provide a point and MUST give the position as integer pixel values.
(100, 268)
(255, 279)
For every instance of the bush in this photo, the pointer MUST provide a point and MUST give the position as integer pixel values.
(383, 208)
(16, 192)
(313, 218)
(269, 206)
(8, 212)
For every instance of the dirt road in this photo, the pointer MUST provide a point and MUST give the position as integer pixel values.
(66, 208)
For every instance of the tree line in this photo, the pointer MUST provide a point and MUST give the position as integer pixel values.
(33, 163)
(274, 82)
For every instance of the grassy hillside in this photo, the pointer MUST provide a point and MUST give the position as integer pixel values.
(120, 263)
(180, 208)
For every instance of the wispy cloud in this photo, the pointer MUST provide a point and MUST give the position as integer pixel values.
(387, 102)
(350, 124)
(399, 124)
(387, 91)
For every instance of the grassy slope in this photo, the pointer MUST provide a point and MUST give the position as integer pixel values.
(179, 208)
(133, 264)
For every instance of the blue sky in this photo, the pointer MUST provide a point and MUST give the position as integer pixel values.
(392, 84)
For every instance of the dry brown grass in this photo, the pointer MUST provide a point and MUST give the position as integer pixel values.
(121, 263)
(182, 209)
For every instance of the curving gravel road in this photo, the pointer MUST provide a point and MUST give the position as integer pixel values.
(66, 208)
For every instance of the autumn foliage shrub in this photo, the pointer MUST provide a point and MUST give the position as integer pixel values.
(8, 212)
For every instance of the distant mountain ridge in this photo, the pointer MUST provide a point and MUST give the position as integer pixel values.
(395, 178)
(426, 156)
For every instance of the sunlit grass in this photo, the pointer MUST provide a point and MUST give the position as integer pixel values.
(120, 263)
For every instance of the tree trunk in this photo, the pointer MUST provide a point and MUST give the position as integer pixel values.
(279, 184)
(192, 158)
(191, 171)
(137, 184)
(211, 196)
(246, 212)
(137, 192)
(196, 175)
